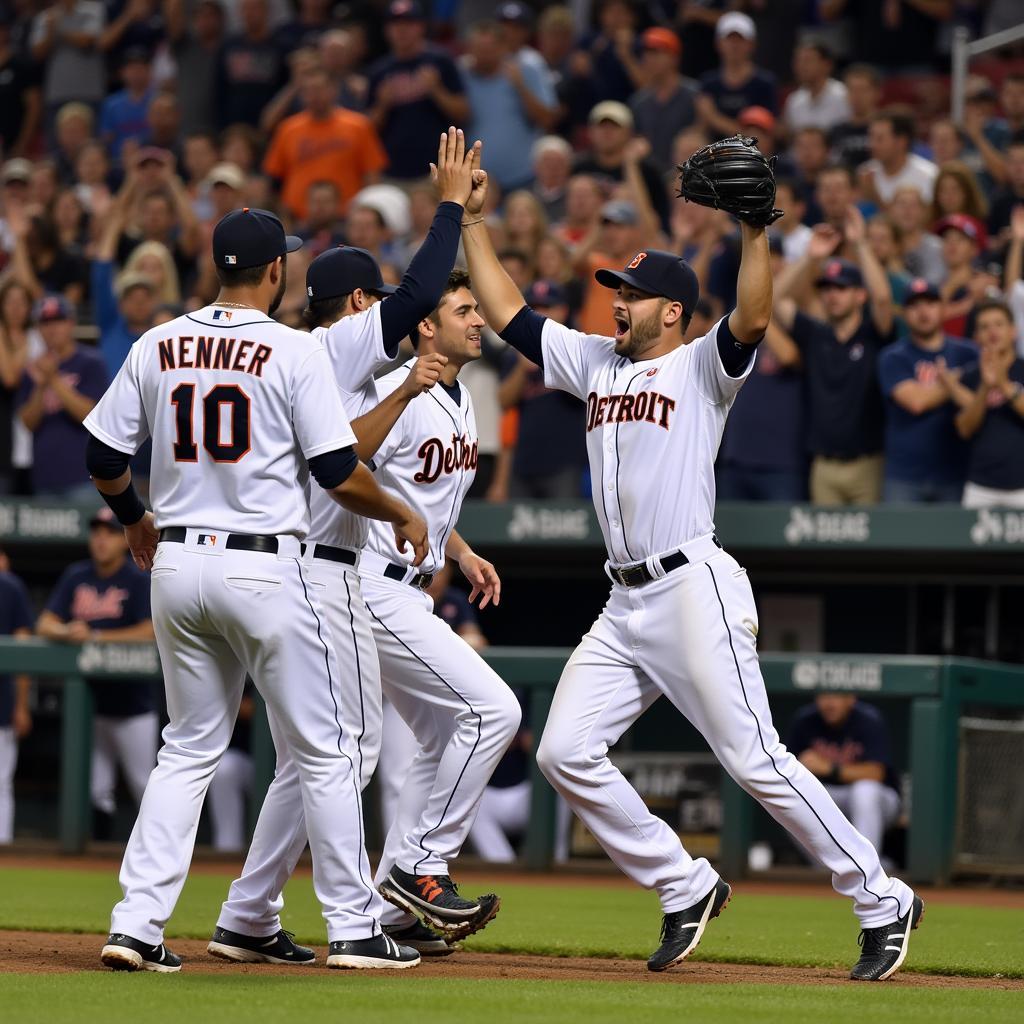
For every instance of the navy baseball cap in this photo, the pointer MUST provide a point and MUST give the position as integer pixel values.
(404, 10)
(546, 294)
(658, 273)
(104, 517)
(341, 271)
(840, 274)
(53, 307)
(921, 289)
(251, 238)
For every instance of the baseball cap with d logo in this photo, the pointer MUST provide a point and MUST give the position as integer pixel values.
(657, 273)
(251, 238)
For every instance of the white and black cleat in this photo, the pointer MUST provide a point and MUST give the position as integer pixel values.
(123, 953)
(883, 950)
(377, 953)
(681, 930)
(279, 948)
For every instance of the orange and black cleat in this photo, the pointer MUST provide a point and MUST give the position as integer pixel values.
(436, 901)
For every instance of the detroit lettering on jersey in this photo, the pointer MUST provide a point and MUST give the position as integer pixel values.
(646, 407)
(653, 430)
(438, 459)
(201, 352)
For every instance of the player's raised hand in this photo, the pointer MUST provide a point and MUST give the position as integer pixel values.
(424, 374)
(142, 538)
(453, 173)
(412, 529)
(484, 578)
(474, 206)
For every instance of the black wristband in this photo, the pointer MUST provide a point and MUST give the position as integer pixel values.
(833, 778)
(127, 505)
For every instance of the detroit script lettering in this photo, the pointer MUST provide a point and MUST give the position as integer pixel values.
(438, 459)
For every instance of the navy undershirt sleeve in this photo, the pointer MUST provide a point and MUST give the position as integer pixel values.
(525, 332)
(420, 289)
(735, 355)
(333, 468)
(104, 462)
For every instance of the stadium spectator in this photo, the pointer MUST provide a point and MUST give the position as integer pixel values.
(322, 228)
(808, 157)
(885, 240)
(195, 34)
(550, 456)
(73, 131)
(1011, 100)
(667, 104)
(341, 51)
(19, 343)
(957, 191)
(312, 18)
(250, 67)
(845, 743)
(738, 82)
(92, 176)
(138, 24)
(925, 459)
(163, 125)
(944, 141)
(1009, 197)
(849, 138)
(613, 151)
(609, 56)
(65, 43)
(834, 194)
(124, 114)
(985, 134)
(991, 414)
(762, 124)
(922, 251)
(584, 198)
(1012, 274)
(893, 164)
(71, 222)
(963, 240)
(795, 234)
(819, 101)
(511, 102)
(551, 158)
(19, 95)
(58, 390)
(900, 33)
(287, 102)
(38, 260)
(415, 93)
(105, 599)
(839, 357)
(516, 21)
(15, 713)
(524, 225)
(323, 143)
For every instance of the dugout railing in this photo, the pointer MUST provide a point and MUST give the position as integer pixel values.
(939, 691)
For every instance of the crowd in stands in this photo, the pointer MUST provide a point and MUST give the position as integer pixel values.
(892, 370)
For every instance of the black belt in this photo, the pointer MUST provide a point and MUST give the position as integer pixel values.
(420, 581)
(636, 575)
(236, 541)
(330, 554)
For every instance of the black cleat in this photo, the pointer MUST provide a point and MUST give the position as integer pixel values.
(489, 907)
(682, 930)
(369, 954)
(280, 948)
(884, 949)
(123, 953)
(433, 898)
(419, 937)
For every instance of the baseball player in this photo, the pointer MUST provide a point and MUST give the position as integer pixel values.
(360, 321)
(241, 410)
(681, 619)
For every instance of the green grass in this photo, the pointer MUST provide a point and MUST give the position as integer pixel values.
(569, 921)
(415, 998)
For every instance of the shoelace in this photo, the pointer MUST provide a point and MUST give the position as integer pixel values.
(288, 934)
(871, 941)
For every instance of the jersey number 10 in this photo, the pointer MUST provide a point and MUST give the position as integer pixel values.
(238, 440)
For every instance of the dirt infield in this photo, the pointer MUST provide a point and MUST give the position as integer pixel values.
(56, 953)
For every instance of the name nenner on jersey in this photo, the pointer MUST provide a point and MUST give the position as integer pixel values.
(199, 352)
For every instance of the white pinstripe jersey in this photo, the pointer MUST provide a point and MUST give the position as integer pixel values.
(653, 431)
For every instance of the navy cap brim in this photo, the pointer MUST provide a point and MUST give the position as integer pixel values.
(614, 278)
(384, 289)
(292, 243)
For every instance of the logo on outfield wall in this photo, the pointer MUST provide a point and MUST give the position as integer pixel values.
(821, 527)
(118, 659)
(529, 523)
(837, 675)
(994, 526)
(32, 521)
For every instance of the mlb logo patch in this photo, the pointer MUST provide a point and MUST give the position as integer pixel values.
(222, 314)
(231, 260)
(208, 540)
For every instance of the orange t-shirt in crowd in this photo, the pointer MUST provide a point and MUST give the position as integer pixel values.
(595, 316)
(342, 148)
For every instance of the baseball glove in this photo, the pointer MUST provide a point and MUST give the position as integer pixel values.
(732, 175)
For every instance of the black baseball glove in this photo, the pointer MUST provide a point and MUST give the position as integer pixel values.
(732, 175)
